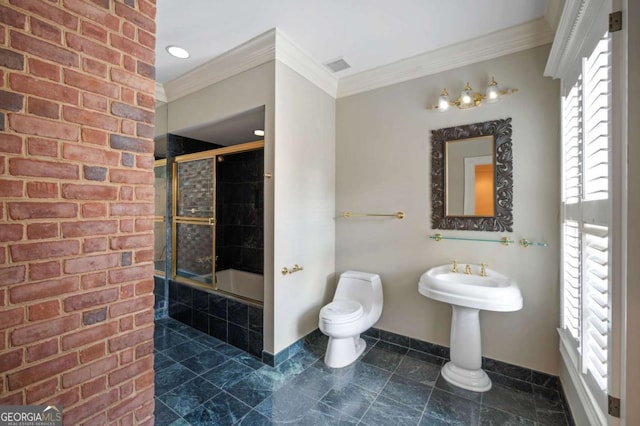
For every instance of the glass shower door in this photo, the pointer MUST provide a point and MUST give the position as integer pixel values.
(194, 218)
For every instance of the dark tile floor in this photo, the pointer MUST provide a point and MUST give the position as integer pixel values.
(201, 380)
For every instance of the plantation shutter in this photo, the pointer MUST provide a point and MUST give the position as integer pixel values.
(586, 217)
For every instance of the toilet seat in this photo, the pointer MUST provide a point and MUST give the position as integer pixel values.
(340, 311)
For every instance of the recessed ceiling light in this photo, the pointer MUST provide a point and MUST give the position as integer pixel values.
(178, 52)
(258, 132)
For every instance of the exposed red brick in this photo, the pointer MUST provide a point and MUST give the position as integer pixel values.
(10, 189)
(44, 30)
(89, 155)
(126, 291)
(131, 176)
(11, 399)
(126, 194)
(126, 389)
(88, 408)
(11, 60)
(129, 306)
(134, 113)
(147, 8)
(66, 399)
(45, 270)
(44, 250)
(10, 143)
(93, 49)
(44, 49)
(93, 136)
(41, 127)
(49, 12)
(42, 350)
(12, 17)
(129, 127)
(145, 380)
(143, 225)
(3, 257)
(94, 245)
(145, 162)
(131, 144)
(11, 101)
(128, 405)
(129, 65)
(144, 256)
(39, 231)
(95, 173)
(144, 194)
(43, 289)
(94, 210)
(133, 241)
(43, 89)
(43, 330)
(128, 30)
(44, 310)
(145, 101)
(100, 419)
(94, 387)
(144, 349)
(40, 210)
(42, 189)
(95, 102)
(134, 81)
(89, 118)
(12, 275)
(40, 168)
(42, 371)
(89, 371)
(94, 280)
(12, 317)
(10, 360)
(44, 147)
(89, 228)
(94, 67)
(89, 192)
(90, 84)
(136, 17)
(92, 352)
(88, 300)
(144, 318)
(89, 335)
(130, 371)
(130, 339)
(93, 13)
(132, 209)
(44, 69)
(95, 32)
(148, 40)
(126, 356)
(90, 263)
(41, 390)
(95, 316)
(43, 108)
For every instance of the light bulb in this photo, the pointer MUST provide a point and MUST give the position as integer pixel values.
(493, 92)
(467, 96)
(443, 101)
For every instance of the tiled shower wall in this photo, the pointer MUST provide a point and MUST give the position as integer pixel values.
(239, 211)
(232, 321)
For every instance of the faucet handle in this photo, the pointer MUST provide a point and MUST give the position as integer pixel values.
(467, 269)
(454, 268)
(483, 269)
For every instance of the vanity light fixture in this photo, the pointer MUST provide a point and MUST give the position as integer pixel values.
(470, 99)
(177, 52)
(258, 132)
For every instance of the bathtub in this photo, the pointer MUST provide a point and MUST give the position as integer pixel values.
(241, 283)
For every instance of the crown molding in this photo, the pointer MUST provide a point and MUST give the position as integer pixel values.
(257, 51)
(514, 39)
(581, 26)
(297, 59)
(161, 96)
(553, 12)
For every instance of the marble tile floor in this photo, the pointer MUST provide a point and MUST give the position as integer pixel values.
(201, 380)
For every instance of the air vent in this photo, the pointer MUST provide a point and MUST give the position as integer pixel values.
(338, 65)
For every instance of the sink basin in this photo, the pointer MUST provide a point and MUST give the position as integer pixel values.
(468, 294)
(495, 292)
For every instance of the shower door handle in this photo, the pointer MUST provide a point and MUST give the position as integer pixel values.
(212, 221)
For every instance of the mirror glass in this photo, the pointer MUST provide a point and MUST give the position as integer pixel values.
(472, 177)
(470, 181)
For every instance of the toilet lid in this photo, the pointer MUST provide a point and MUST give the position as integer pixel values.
(341, 311)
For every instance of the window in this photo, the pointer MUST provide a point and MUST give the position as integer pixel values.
(586, 219)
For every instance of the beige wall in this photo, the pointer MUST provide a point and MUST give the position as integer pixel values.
(304, 203)
(383, 165)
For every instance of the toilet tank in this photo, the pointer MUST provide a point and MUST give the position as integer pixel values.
(363, 287)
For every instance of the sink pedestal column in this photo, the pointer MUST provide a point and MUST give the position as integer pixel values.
(464, 369)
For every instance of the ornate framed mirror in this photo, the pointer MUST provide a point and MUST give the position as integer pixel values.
(472, 177)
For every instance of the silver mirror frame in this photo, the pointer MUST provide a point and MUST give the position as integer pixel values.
(503, 219)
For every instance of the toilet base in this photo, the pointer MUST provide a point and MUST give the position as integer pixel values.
(473, 380)
(342, 352)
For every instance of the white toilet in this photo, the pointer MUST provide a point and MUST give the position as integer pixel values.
(355, 308)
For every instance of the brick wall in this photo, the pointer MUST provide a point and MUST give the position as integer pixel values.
(76, 207)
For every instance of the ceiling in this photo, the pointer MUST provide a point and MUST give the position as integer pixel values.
(371, 35)
(366, 33)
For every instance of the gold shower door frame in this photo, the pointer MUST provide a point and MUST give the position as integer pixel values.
(210, 220)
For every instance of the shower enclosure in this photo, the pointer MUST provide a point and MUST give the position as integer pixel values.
(217, 220)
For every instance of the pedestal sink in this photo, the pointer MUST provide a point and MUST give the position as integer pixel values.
(468, 294)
